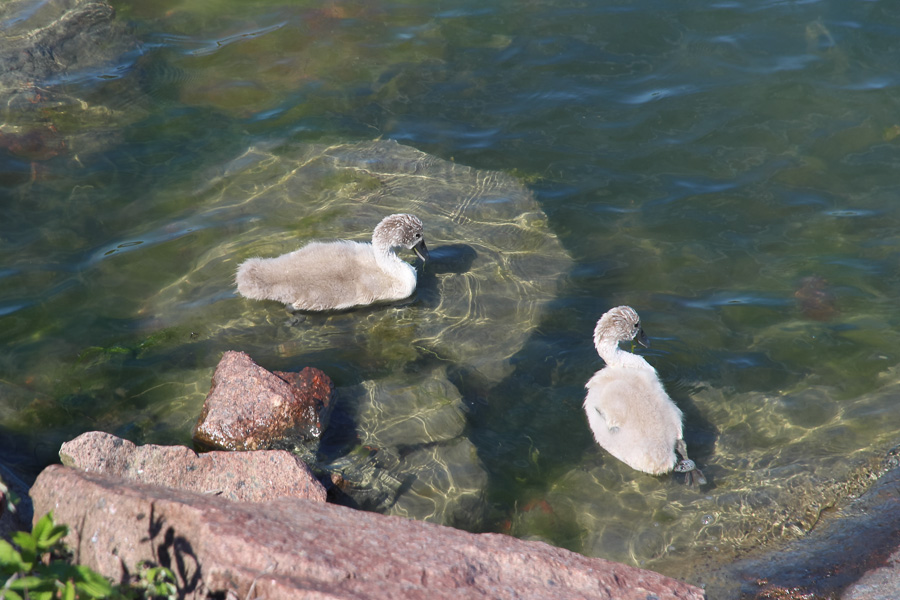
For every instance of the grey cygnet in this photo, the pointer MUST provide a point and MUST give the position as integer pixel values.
(340, 274)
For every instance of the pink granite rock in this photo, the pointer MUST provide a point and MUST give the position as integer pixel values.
(882, 583)
(241, 476)
(250, 408)
(290, 548)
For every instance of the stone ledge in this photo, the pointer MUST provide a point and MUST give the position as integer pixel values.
(294, 548)
(253, 476)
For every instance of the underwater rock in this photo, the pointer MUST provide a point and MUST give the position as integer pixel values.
(41, 41)
(495, 263)
(249, 408)
(412, 456)
(50, 54)
(495, 266)
(815, 299)
(240, 476)
(853, 553)
(404, 411)
(290, 548)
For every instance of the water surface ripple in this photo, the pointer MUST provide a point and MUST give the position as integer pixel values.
(726, 168)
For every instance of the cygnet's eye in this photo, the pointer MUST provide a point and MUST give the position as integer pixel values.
(637, 325)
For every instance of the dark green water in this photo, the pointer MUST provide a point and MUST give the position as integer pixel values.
(728, 168)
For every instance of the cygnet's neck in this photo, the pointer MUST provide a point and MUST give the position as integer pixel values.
(613, 356)
(389, 262)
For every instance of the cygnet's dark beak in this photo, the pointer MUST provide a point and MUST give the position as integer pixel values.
(642, 339)
(421, 250)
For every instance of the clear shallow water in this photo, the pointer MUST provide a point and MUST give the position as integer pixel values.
(728, 169)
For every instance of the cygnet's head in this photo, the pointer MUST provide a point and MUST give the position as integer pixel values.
(620, 324)
(401, 230)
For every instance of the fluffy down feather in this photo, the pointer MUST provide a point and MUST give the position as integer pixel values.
(629, 412)
(341, 274)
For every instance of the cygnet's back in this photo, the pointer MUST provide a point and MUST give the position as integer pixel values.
(632, 417)
(629, 412)
(340, 274)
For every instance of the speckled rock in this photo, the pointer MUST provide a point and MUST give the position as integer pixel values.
(292, 548)
(249, 408)
(853, 553)
(240, 476)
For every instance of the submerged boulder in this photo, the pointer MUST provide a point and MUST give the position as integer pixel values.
(495, 263)
(43, 41)
(495, 266)
(51, 54)
(413, 458)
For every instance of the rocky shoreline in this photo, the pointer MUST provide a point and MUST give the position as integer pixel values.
(292, 547)
(256, 523)
(259, 521)
(248, 518)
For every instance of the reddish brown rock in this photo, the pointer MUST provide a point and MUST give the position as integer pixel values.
(291, 549)
(240, 476)
(815, 299)
(250, 408)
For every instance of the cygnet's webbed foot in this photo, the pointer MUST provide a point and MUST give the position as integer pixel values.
(695, 478)
(295, 319)
(693, 475)
(685, 466)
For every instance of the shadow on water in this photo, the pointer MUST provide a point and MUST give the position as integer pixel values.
(447, 258)
(700, 434)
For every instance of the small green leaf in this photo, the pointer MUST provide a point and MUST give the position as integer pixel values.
(29, 583)
(92, 584)
(43, 526)
(24, 540)
(9, 557)
(69, 592)
(52, 538)
(8, 594)
(28, 554)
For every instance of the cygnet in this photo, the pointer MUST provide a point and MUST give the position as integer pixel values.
(629, 412)
(340, 274)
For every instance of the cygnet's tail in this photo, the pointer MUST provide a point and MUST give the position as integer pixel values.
(254, 279)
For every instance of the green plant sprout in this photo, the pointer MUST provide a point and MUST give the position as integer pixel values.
(40, 570)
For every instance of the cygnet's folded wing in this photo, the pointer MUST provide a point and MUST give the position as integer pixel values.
(319, 276)
(633, 418)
